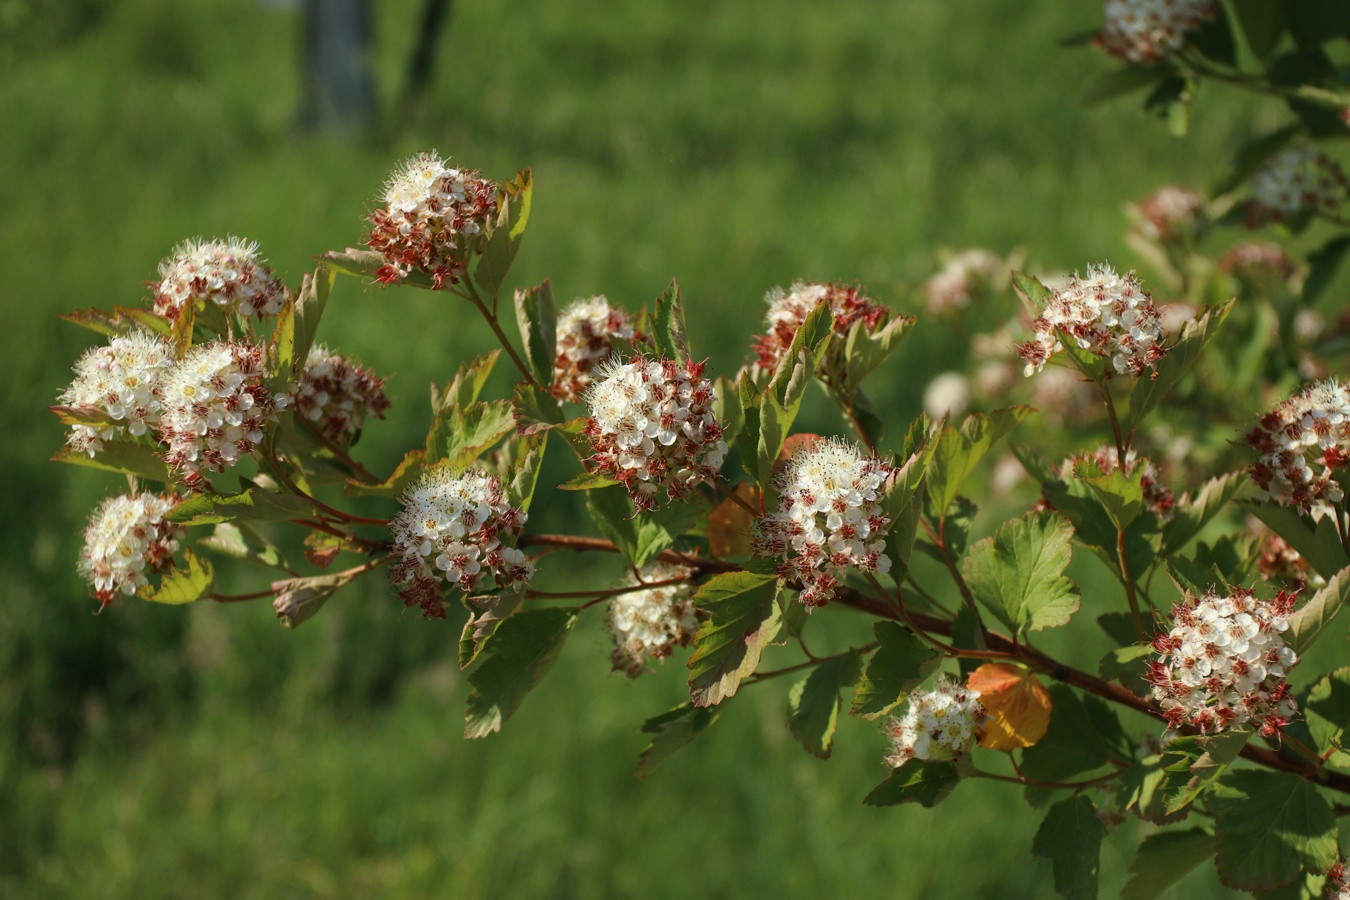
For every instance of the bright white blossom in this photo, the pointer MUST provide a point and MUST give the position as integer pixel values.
(1298, 179)
(651, 427)
(431, 212)
(336, 394)
(1224, 663)
(215, 408)
(1170, 213)
(1338, 881)
(587, 331)
(937, 725)
(122, 381)
(1312, 428)
(966, 276)
(829, 518)
(947, 395)
(450, 531)
(789, 309)
(651, 623)
(127, 537)
(1108, 314)
(228, 273)
(1143, 31)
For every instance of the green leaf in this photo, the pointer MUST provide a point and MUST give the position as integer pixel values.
(1190, 576)
(1149, 392)
(251, 504)
(1141, 789)
(460, 435)
(1121, 494)
(522, 460)
(186, 585)
(537, 319)
(865, 351)
(727, 406)
(671, 731)
(1261, 23)
(1191, 764)
(1317, 542)
(514, 199)
(121, 320)
(917, 781)
(813, 703)
(1322, 265)
(534, 410)
(1163, 859)
(1271, 826)
(464, 389)
(298, 599)
(520, 653)
(1214, 38)
(123, 457)
(1121, 82)
(1070, 837)
(958, 452)
(588, 481)
(296, 326)
(1310, 620)
(1126, 665)
(244, 544)
(407, 471)
(1327, 711)
(668, 330)
(83, 415)
(903, 505)
(1191, 515)
(777, 408)
(743, 618)
(1073, 744)
(1253, 155)
(486, 614)
(640, 537)
(355, 261)
(1314, 22)
(899, 665)
(1017, 574)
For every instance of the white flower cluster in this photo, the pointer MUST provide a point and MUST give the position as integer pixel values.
(1143, 31)
(450, 530)
(1298, 179)
(938, 724)
(431, 210)
(587, 330)
(789, 309)
(228, 273)
(1110, 315)
(122, 381)
(337, 394)
(1310, 428)
(651, 623)
(829, 518)
(127, 536)
(215, 408)
(1224, 663)
(1256, 260)
(1338, 881)
(966, 276)
(1170, 213)
(1281, 563)
(651, 427)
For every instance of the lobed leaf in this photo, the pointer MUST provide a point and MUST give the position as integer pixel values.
(1070, 837)
(1192, 764)
(514, 200)
(1271, 826)
(464, 389)
(1327, 711)
(639, 537)
(1309, 621)
(1191, 514)
(1017, 573)
(185, 585)
(537, 318)
(959, 451)
(668, 329)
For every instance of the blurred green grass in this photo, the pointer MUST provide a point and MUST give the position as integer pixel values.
(206, 752)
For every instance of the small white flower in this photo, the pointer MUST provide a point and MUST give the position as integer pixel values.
(651, 426)
(1312, 428)
(450, 530)
(587, 331)
(965, 276)
(336, 394)
(1224, 663)
(651, 623)
(124, 381)
(127, 537)
(829, 518)
(1297, 179)
(1143, 31)
(228, 273)
(1170, 212)
(788, 311)
(938, 724)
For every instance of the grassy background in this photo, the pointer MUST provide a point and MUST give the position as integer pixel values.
(206, 752)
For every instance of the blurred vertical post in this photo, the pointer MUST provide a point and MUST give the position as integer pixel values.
(434, 16)
(339, 88)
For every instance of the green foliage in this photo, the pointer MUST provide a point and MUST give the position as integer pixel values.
(1316, 541)
(1192, 764)
(253, 503)
(640, 538)
(122, 457)
(813, 702)
(537, 318)
(959, 451)
(513, 215)
(1084, 736)
(1163, 859)
(670, 732)
(520, 653)
(1017, 574)
(668, 331)
(185, 585)
(1071, 838)
(743, 617)
(1271, 826)
(917, 781)
(1327, 711)
(1180, 358)
(900, 664)
(1309, 621)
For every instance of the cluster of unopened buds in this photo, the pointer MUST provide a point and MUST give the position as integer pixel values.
(1298, 179)
(121, 382)
(1106, 459)
(938, 725)
(652, 428)
(1312, 428)
(789, 309)
(650, 623)
(1224, 663)
(966, 276)
(1257, 261)
(1108, 314)
(228, 273)
(1170, 213)
(450, 531)
(215, 408)
(336, 394)
(829, 519)
(1278, 562)
(127, 537)
(431, 213)
(588, 330)
(1144, 31)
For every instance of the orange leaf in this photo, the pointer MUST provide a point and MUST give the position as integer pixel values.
(1019, 706)
(804, 441)
(729, 524)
